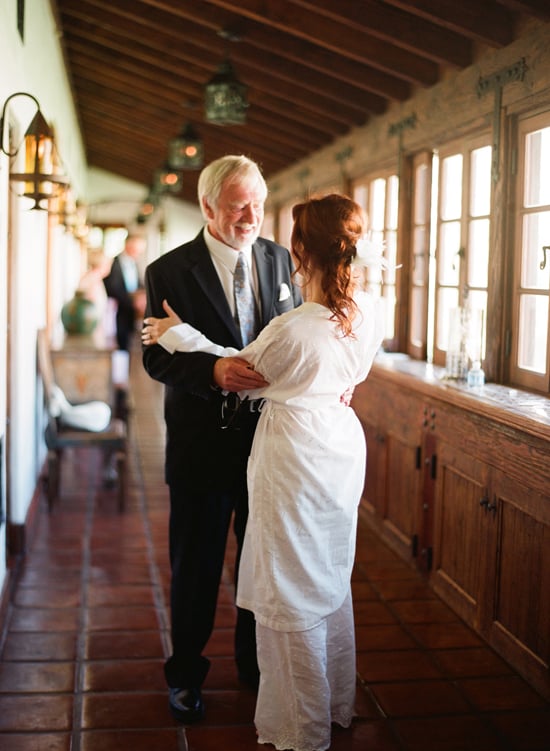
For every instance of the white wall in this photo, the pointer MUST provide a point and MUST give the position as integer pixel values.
(35, 65)
(113, 199)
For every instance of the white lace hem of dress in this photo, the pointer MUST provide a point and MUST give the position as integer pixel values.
(284, 742)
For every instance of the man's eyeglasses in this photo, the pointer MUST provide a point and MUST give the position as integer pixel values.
(231, 406)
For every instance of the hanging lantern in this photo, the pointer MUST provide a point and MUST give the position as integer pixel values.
(225, 97)
(167, 179)
(186, 151)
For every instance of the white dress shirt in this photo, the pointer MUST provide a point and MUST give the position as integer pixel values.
(224, 259)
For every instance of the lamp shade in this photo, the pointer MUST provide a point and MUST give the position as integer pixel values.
(186, 151)
(225, 97)
(41, 165)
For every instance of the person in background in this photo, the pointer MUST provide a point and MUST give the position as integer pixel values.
(305, 477)
(91, 282)
(123, 284)
(207, 441)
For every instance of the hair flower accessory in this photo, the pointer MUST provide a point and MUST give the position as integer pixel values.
(370, 253)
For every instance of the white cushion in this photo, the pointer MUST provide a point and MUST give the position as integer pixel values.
(94, 416)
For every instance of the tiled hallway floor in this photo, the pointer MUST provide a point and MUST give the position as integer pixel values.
(82, 653)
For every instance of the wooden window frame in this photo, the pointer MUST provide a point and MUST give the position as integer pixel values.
(518, 376)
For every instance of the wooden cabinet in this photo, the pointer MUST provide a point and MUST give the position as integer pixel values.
(392, 425)
(459, 485)
(517, 612)
(464, 532)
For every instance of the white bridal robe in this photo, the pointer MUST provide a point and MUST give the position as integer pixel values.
(305, 478)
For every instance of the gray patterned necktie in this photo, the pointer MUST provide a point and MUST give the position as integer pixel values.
(246, 311)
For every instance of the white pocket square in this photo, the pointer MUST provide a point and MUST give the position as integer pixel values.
(284, 292)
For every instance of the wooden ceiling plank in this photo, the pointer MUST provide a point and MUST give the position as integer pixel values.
(180, 65)
(483, 22)
(282, 132)
(161, 13)
(111, 117)
(281, 108)
(325, 32)
(538, 8)
(270, 63)
(77, 19)
(314, 69)
(414, 34)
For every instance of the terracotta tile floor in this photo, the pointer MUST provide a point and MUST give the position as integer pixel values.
(82, 652)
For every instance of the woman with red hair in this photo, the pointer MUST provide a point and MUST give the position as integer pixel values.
(305, 477)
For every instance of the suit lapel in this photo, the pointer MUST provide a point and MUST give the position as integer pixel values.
(205, 273)
(264, 269)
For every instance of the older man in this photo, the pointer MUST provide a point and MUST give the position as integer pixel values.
(208, 433)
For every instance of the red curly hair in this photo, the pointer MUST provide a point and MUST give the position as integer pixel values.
(324, 238)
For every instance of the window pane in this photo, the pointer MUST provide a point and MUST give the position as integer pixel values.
(421, 194)
(478, 253)
(451, 187)
(533, 332)
(537, 176)
(447, 300)
(393, 191)
(389, 297)
(391, 256)
(477, 312)
(420, 254)
(418, 322)
(536, 233)
(449, 253)
(480, 181)
(360, 194)
(374, 273)
(377, 204)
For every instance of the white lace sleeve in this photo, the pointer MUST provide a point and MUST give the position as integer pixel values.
(186, 338)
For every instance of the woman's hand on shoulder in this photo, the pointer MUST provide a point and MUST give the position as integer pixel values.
(154, 328)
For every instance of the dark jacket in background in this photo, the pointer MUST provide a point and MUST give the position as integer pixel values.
(115, 287)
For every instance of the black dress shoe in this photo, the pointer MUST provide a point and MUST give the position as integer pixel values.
(186, 705)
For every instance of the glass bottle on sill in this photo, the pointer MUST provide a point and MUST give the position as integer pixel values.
(476, 375)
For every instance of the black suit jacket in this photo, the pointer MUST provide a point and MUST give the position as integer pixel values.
(199, 452)
(115, 285)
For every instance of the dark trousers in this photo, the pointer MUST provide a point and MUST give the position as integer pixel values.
(199, 524)
(125, 322)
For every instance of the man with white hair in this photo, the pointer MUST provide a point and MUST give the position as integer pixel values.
(209, 432)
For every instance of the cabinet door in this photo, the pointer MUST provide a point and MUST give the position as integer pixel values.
(463, 532)
(518, 623)
(375, 479)
(391, 487)
(401, 508)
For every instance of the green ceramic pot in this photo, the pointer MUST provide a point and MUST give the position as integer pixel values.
(79, 315)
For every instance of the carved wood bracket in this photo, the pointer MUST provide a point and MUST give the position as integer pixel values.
(397, 129)
(496, 82)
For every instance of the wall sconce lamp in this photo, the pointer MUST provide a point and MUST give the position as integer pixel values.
(225, 100)
(186, 151)
(41, 166)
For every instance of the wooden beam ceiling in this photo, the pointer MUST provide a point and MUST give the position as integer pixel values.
(314, 70)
